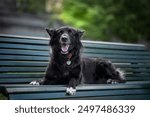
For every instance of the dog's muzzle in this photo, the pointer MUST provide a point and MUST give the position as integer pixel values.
(65, 43)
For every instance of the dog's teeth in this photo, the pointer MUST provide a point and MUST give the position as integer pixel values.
(70, 91)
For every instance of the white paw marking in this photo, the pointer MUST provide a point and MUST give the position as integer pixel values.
(114, 82)
(110, 81)
(34, 83)
(70, 91)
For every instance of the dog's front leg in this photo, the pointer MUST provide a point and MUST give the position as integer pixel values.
(37, 82)
(71, 89)
(76, 76)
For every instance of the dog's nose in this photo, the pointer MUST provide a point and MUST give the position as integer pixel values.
(64, 38)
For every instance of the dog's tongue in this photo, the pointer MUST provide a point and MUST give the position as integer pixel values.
(64, 49)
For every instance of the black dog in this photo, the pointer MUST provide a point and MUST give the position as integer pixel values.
(67, 66)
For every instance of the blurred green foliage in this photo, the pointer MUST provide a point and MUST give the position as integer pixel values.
(128, 20)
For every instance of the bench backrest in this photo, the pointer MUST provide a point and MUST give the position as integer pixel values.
(23, 59)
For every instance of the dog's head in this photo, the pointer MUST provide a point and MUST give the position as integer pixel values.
(65, 39)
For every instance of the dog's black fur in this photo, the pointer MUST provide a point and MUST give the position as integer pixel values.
(67, 67)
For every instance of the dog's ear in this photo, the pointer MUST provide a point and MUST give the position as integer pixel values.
(51, 31)
(80, 33)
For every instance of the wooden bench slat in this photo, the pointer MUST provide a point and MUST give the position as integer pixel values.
(133, 65)
(23, 63)
(138, 75)
(22, 75)
(20, 69)
(137, 70)
(85, 94)
(118, 52)
(23, 46)
(27, 58)
(112, 43)
(138, 78)
(111, 46)
(120, 97)
(128, 61)
(23, 52)
(17, 80)
(79, 88)
(117, 56)
(24, 41)
(28, 85)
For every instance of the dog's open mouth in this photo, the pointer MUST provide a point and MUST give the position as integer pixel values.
(64, 48)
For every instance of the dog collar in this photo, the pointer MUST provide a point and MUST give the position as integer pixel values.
(68, 62)
(69, 57)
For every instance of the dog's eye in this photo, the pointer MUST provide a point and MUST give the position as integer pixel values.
(60, 32)
(69, 31)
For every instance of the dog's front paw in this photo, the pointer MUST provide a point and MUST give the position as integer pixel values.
(111, 81)
(70, 91)
(34, 83)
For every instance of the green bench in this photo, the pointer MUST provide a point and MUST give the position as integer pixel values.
(23, 59)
